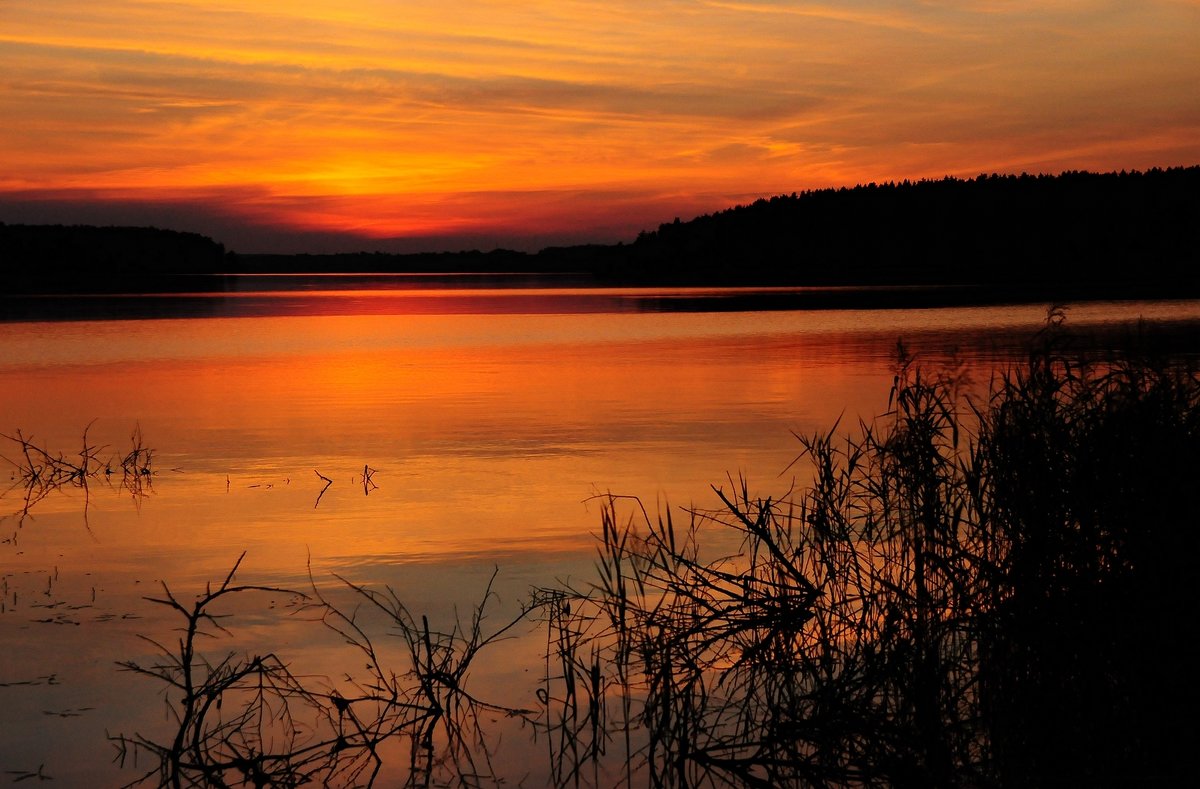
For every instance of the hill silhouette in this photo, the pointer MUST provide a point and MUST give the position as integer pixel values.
(1076, 235)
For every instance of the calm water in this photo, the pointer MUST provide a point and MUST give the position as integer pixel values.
(486, 418)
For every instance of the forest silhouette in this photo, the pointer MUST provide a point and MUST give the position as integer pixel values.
(992, 230)
(1074, 235)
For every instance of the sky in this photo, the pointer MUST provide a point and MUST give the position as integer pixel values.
(348, 125)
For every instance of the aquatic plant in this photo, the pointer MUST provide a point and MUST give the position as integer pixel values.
(237, 718)
(426, 701)
(967, 594)
(39, 472)
(245, 719)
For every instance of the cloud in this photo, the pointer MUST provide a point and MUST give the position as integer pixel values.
(376, 117)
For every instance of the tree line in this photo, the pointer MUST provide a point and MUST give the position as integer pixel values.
(1076, 230)
(1075, 235)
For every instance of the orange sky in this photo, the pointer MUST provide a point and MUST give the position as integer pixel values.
(380, 124)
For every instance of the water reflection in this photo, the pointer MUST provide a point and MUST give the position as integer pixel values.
(259, 295)
(483, 433)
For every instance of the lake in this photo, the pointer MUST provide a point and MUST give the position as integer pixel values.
(417, 433)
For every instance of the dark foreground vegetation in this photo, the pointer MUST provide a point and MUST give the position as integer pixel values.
(1075, 235)
(994, 592)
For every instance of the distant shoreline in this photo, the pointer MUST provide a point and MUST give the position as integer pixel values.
(1072, 236)
(480, 294)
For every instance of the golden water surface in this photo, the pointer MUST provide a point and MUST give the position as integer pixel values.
(458, 441)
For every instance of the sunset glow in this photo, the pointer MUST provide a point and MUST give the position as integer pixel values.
(364, 124)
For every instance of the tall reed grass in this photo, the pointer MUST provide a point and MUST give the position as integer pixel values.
(996, 592)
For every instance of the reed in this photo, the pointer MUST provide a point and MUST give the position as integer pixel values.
(37, 472)
(236, 717)
(426, 700)
(1087, 474)
(245, 719)
(970, 593)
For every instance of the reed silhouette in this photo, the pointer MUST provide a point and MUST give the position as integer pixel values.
(39, 472)
(969, 594)
(245, 719)
(236, 717)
